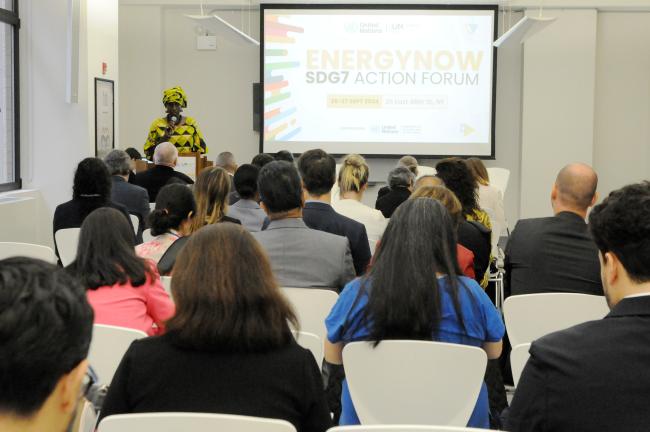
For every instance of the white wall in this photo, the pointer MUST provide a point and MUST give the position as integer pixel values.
(55, 135)
(622, 116)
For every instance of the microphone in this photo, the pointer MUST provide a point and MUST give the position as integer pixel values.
(172, 124)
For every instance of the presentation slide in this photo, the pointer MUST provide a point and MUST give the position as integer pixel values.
(378, 81)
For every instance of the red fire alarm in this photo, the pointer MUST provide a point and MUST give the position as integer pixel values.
(104, 68)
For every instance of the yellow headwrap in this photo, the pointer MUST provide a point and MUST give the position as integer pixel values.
(175, 94)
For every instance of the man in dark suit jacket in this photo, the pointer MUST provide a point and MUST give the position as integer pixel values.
(165, 157)
(226, 160)
(595, 376)
(134, 198)
(557, 254)
(318, 172)
(400, 186)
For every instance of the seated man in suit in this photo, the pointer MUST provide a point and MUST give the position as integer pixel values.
(133, 197)
(300, 256)
(165, 158)
(318, 172)
(595, 376)
(46, 326)
(557, 254)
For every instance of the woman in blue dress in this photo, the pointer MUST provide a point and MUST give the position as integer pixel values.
(414, 291)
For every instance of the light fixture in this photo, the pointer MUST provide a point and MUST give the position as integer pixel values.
(524, 29)
(213, 16)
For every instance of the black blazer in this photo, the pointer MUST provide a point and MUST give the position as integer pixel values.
(158, 374)
(71, 214)
(591, 377)
(476, 237)
(321, 216)
(552, 254)
(134, 198)
(158, 176)
(388, 202)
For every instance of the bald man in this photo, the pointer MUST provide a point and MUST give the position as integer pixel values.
(557, 254)
(165, 157)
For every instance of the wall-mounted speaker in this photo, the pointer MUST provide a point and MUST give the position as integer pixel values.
(258, 102)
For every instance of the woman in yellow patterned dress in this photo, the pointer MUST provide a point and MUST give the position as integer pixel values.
(175, 128)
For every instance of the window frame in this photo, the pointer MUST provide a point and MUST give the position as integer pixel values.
(12, 18)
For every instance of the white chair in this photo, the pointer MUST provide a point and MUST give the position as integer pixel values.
(414, 382)
(402, 428)
(167, 284)
(532, 316)
(191, 422)
(67, 240)
(518, 358)
(312, 305)
(108, 345)
(499, 178)
(88, 418)
(11, 249)
(135, 221)
(311, 342)
(152, 206)
(146, 235)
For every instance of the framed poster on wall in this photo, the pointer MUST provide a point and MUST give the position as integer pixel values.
(104, 117)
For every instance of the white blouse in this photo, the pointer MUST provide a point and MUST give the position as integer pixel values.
(374, 221)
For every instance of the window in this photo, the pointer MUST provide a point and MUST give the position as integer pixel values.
(9, 115)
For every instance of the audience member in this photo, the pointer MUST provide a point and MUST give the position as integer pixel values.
(262, 159)
(91, 190)
(489, 198)
(169, 221)
(400, 184)
(318, 172)
(557, 254)
(476, 235)
(595, 376)
(428, 180)
(451, 203)
(134, 156)
(284, 155)
(247, 209)
(165, 157)
(408, 162)
(226, 160)
(211, 194)
(353, 182)
(228, 349)
(300, 256)
(45, 331)
(134, 198)
(414, 292)
(123, 289)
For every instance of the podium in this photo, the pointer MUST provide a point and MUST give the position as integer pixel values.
(190, 164)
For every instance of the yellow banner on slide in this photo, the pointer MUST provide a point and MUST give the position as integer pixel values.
(355, 101)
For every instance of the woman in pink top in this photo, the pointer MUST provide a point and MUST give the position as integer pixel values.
(169, 221)
(123, 289)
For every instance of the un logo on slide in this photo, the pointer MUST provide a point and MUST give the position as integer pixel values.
(352, 28)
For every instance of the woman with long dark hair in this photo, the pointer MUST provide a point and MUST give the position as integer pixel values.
(229, 348)
(123, 289)
(91, 190)
(415, 291)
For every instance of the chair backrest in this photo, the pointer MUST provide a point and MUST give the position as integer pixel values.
(146, 235)
(88, 418)
(532, 316)
(311, 342)
(499, 178)
(152, 206)
(402, 428)
(67, 240)
(518, 358)
(167, 284)
(312, 305)
(414, 382)
(194, 422)
(108, 345)
(11, 249)
(135, 220)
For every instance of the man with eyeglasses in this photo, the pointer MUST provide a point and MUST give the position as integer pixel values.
(45, 331)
